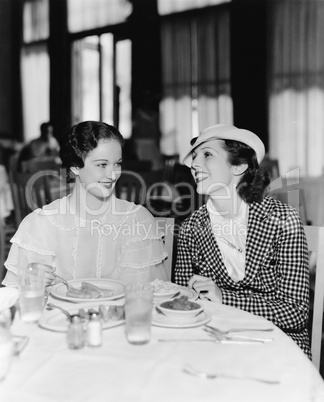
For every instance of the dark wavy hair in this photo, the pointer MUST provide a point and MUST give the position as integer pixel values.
(254, 180)
(83, 138)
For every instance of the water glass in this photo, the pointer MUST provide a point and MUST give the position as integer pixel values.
(138, 313)
(31, 288)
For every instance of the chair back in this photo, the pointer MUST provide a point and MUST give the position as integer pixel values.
(271, 166)
(315, 240)
(131, 187)
(6, 233)
(42, 163)
(166, 226)
(29, 191)
(2, 249)
(293, 196)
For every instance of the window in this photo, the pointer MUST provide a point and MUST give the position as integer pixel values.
(195, 76)
(35, 68)
(101, 81)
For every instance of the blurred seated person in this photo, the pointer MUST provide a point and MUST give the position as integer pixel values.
(44, 146)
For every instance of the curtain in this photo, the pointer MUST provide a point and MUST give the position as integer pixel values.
(35, 20)
(35, 88)
(214, 87)
(175, 6)
(90, 14)
(34, 66)
(175, 107)
(195, 76)
(77, 98)
(296, 85)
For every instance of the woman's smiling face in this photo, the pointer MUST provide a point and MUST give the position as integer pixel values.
(210, 168)
(102, 168)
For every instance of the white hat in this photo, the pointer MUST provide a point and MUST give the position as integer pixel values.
(226, 132)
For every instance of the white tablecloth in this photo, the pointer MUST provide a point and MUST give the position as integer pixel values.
(47, 371)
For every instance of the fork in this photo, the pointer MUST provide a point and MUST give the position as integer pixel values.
(50, 306)
(66, 283)
(210, 376)
(224, 332)
(221, 336)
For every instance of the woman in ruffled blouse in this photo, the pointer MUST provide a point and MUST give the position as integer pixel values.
(90, 233)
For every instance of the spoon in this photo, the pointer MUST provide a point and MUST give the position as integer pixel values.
(50, 306)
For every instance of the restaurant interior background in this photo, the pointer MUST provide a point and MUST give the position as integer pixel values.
(162, 70)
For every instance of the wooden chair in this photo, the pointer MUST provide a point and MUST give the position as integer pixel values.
(37, 164)
(6, 233)
(131, 187)
(30, 191)
(271, 166)
(315, 240)
(169, 167)
(167, 227)
(293, 196)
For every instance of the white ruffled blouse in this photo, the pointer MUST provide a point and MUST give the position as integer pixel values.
(123, 245)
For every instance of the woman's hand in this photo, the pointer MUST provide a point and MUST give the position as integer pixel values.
(49, 277)
(206, 288)
(48, 269)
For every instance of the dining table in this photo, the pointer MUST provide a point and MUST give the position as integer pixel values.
(254, 365)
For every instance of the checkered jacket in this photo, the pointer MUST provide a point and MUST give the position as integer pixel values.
(276, 282)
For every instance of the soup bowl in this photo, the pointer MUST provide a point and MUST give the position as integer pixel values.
(180, 308)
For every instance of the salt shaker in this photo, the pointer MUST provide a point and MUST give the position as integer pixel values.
(94, 332)
(75, 336)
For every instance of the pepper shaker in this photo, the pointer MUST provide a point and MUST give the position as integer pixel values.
(94, 333)
(75, 335)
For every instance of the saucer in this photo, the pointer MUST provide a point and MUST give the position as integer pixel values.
(161, 320)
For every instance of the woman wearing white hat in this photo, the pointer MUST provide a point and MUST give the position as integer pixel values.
(243, 249)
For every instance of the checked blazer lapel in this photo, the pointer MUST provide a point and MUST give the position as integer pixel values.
(261, 220)
(212, 256)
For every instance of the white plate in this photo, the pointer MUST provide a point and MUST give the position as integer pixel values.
(55, 320)
(59, 290)
(170, 293)
(161, 320)
(190, 293)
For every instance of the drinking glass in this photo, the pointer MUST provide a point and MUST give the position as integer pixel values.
(138, 313)
(31, 290)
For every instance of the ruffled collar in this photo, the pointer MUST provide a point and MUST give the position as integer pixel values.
(62, 214)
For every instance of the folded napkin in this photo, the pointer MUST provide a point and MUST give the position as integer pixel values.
(8, 298)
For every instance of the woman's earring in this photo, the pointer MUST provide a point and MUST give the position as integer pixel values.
(75, 171)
